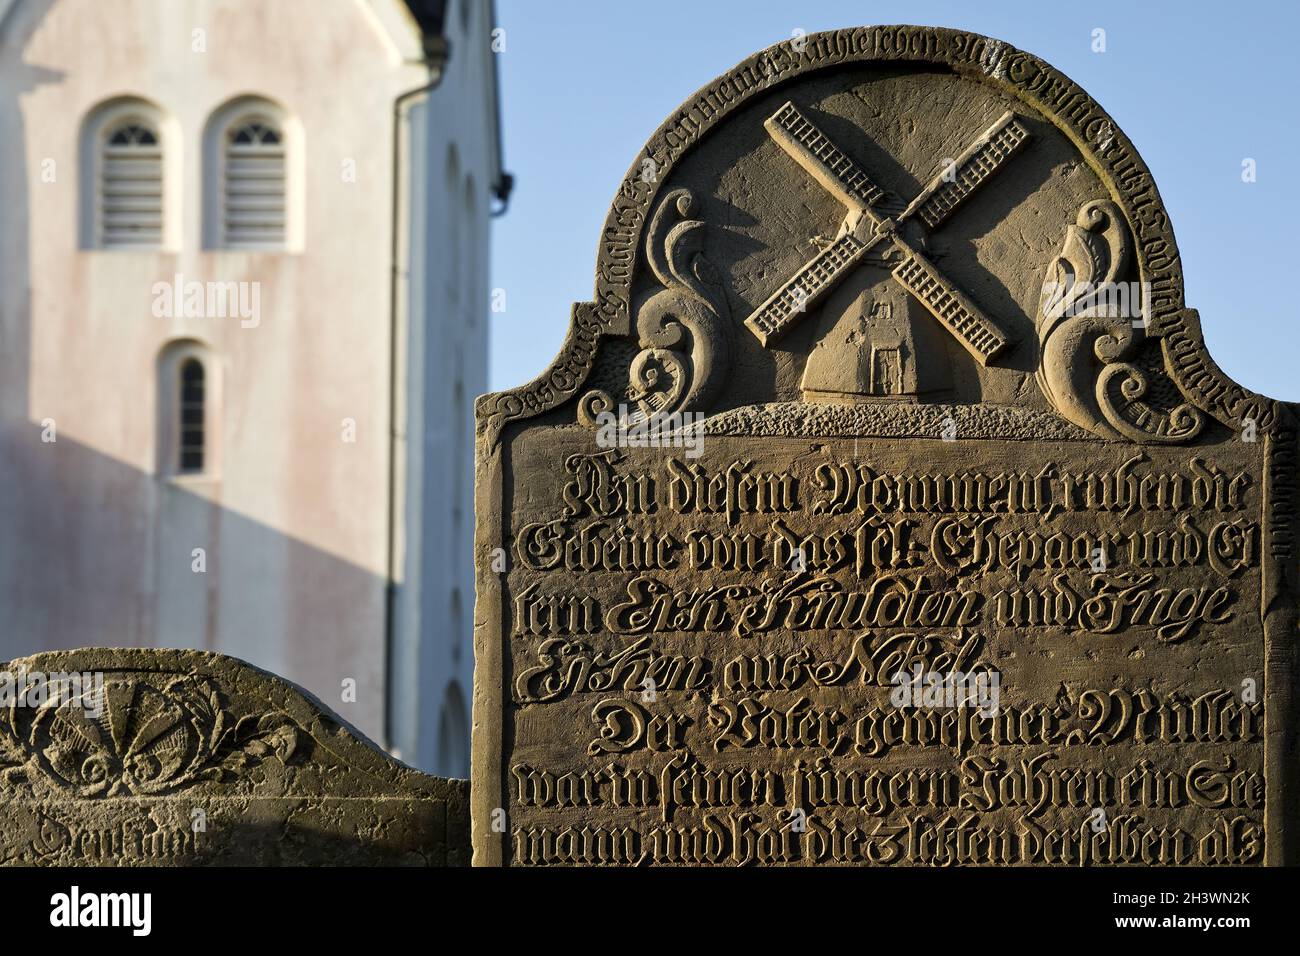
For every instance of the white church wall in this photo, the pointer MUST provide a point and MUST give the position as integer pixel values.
(447, 370)
(100, 540)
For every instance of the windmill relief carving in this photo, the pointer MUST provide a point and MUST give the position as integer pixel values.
(883, 308)
(874, 277)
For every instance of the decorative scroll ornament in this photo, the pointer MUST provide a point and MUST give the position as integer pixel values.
(135, 738)
(1082, 323)
(683, 330)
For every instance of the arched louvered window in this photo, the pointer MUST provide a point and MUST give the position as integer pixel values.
(253, 204)
(130, 201)
(192, 407)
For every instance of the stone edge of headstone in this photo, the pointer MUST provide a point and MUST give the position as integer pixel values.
(393, 777)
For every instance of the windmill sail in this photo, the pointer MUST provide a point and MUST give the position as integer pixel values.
(825, 161)
(969, 171)
(786, 305)
(955, 312)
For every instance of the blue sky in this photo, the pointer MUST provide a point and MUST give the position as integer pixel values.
(1198, 87)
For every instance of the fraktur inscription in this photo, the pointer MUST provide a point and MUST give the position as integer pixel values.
(857, 529)
(733, 692)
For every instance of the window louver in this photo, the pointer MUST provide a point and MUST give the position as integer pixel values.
(131, 187)
(191, 416)
(253, 201)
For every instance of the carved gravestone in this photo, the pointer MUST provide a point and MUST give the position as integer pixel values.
(884, 506)
(149, 757)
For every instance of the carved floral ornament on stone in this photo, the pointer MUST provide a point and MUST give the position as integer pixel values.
(142, 737)
(151, 756)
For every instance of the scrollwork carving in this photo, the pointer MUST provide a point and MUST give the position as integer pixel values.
(1094, 358)
(683, 329)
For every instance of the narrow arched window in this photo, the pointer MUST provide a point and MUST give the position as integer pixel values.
(189, 412)
(253, 203)
(130, 207)
(192, 409)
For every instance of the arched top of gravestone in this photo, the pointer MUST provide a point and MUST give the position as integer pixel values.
(870, 230)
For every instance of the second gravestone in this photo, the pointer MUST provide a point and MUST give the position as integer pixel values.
(884, 506)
